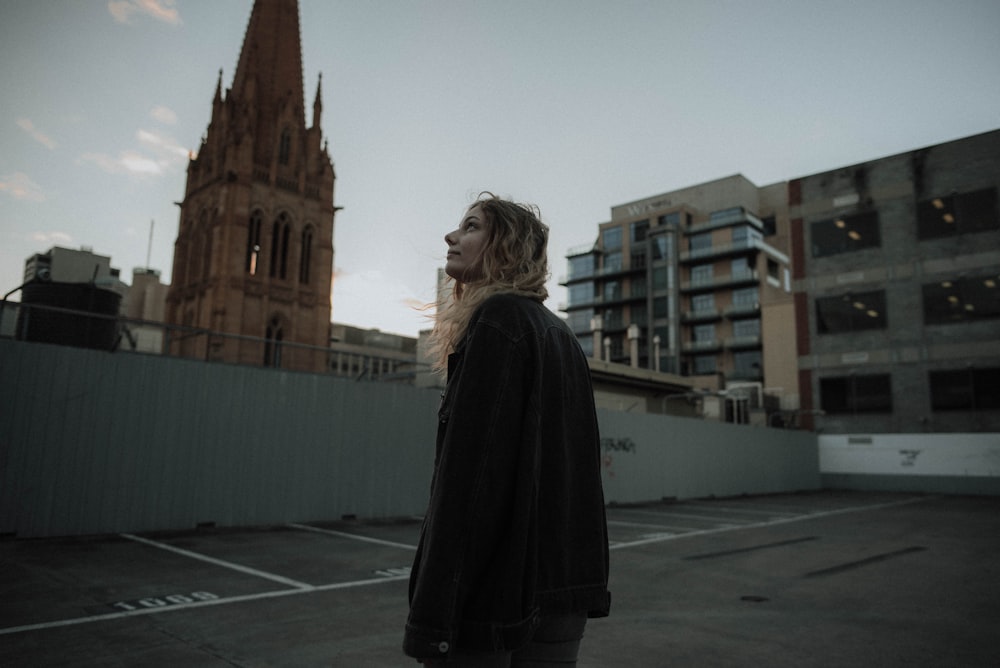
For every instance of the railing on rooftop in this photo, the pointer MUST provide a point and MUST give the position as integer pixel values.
(64, 326)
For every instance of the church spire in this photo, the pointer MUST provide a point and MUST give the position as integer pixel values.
(268, 75)
(318, 102)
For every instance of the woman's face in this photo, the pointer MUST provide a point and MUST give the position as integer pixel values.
(466, 246)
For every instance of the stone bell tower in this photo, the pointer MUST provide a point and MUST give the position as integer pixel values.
(253, 259)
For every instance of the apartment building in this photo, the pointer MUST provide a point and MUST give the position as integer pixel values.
(692, 282)
(865, 299)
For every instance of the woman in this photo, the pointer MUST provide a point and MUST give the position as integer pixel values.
(513, 553)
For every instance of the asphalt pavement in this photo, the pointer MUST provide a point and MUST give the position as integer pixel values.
(811, 579)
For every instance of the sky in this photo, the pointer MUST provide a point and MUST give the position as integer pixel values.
(573, 105)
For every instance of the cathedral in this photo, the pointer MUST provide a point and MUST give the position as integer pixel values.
(253, 259)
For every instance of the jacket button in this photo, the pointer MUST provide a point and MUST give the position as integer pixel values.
(443, 646)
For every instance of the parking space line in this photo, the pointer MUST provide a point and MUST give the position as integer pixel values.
(690, 516)
(768, 523)
(354, 536)
(199, 604)
(747, 511)
(649, 526)
(219, 562)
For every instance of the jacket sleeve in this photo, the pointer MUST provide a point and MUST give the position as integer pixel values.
(475, 516)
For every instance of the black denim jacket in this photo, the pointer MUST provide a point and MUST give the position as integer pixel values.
(515, 527)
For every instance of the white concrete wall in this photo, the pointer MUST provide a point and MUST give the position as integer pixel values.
(962, 463)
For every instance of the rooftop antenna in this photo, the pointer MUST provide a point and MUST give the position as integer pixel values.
(149, 246)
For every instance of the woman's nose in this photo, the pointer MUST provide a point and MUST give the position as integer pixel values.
(449, 239)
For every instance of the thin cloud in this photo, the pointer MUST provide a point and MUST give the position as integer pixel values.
(126, 162)
(158, 155)
(161, 10)
(164, 115)
(36, 134)
(167, 150)
(52, 238)
(20, 186)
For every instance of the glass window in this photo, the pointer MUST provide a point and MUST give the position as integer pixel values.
(661, 307)
(741, 268)
(725, 214)
(612, 238)
(638, 259)
(579, 321)
(660, 278)
(745, 297)
(700, 241)
(962, 300)
(845, 234)
(770, 226)
(851, 312)
(958, 214)
(581, 293)
(703, 333)
(701, 274)
(639, 230)
(773, 270)
(856, 394)
(670, 219)
(704, 364)
(748, 364)
(742, 234)
(965, 389)
(663, 246)
(581, 266)
(613, 319)
(612, 291)
(746, 328)
(701, 303)
(613, 261)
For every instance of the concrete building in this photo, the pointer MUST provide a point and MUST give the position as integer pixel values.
(144, 308)
(253, 257)
(691, 282)
(370, 354)
(865, 299)
(69, 265)
(897, 289)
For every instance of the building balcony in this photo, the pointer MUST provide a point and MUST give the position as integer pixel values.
(727, 219)
(743, 342)
(721, 250)
(702, 315)
(742, 310)
(708, 346)
(750, 276)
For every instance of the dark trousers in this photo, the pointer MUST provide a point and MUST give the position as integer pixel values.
(555, 644)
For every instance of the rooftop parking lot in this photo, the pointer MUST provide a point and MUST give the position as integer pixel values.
(817, 579)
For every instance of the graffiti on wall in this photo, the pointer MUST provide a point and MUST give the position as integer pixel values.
(612, 446)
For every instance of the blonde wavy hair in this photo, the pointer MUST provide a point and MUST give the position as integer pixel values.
(514, 261)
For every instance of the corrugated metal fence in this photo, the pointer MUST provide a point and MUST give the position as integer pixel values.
(97, 442)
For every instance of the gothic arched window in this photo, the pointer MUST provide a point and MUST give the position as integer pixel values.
(206, 232)
(306, 259)
(285, 146)
(253, 243)
(272, 343)
(279, 246)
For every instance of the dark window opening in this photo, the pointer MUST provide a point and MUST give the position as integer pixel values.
(852, 312)
(963, 299)
(965, 390)
(963, 213)
(856, 394)
(845, 234)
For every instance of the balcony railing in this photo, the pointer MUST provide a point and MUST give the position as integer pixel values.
(721, 249)
(748, 276)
